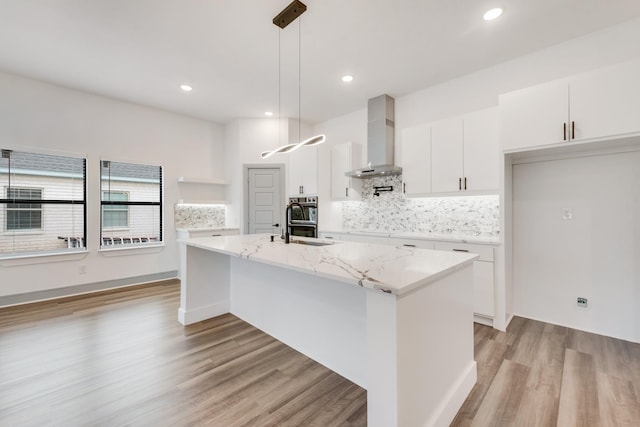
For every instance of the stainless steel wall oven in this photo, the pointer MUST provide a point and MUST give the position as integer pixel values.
(303, 217)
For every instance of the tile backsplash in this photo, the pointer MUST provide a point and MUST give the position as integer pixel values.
(199, 216)
(392, 212)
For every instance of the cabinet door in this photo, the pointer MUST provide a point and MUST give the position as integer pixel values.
(411, 243)
(303, 171)
(483, 288)
(329, 235)
(481, 150)
(446, 155)
(416, 160)
(535, 116)
(345, 157)
(483, 276)
(606, 102)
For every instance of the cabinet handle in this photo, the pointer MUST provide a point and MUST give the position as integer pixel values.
(328, 237)
(564, 131)
(404, 187)
(302, 189)
(460, 250)
(459, 183)
(465, 182)
(216, 235)
(408, 245)
(346, 192)
(573, 129)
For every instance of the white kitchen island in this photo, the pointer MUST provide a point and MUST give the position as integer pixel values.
(397, 321)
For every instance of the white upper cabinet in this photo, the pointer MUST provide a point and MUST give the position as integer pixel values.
(416, 160)
(597, 104)
(465, 153)
(533, 116)
(303, 171)
(606, 102)
(345, 157)
(481, 150)
(446, 155)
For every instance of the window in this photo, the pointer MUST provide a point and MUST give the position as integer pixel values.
(23, 216)
(115, 216)
(42, 203)
(131, 204)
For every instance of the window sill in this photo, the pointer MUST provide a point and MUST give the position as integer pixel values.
(42, 258)
(34, 232)
(131, 249)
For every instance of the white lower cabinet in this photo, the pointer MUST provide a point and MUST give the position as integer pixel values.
(329, 235)
(483, 268)
(410, 243)
(483, 275)
(189, 233)
(186, 234)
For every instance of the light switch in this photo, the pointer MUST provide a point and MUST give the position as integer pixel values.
(567, 214)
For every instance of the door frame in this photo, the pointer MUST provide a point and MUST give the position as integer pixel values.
(244, 227)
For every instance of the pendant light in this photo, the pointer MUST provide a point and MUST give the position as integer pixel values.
(284, 18)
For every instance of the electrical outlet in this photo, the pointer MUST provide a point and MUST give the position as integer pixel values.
(567, 214)
(582, 302)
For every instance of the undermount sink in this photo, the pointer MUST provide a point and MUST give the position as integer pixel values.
(310, 243)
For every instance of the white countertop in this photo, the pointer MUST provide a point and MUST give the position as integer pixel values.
(394, 270)
(456, 238)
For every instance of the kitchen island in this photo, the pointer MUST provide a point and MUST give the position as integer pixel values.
(397, 321)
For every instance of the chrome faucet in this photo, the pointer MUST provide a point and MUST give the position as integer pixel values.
(286, 217)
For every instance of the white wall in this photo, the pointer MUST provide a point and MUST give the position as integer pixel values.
(350, 127)
(595, 255)
(39, 116)
(245, 140)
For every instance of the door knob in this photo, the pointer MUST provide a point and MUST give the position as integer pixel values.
(275, 225)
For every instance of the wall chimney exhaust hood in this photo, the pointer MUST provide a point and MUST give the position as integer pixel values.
(380, 137)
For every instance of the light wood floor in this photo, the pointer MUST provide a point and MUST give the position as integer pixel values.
(121, 358)
(538, 374)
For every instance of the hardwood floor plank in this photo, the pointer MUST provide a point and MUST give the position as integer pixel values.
(500, 404)
(617, 400)
(579, 397)
(341, 409)
(489, 356)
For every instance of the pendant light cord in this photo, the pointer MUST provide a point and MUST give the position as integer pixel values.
(299, 77)
(279, 91)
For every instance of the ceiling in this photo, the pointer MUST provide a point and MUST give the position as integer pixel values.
(142, 50)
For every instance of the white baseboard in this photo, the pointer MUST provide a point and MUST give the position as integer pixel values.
(454, 398)
(202, 313)
(483, 320)
(87, 288)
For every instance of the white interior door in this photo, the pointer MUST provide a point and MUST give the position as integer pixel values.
(265, 201)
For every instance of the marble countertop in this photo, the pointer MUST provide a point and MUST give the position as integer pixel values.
(456, 238)
(384, 267)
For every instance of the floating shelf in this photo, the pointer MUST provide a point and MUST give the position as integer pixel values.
(192, 180)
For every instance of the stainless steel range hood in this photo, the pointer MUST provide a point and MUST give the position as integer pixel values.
(380, 137)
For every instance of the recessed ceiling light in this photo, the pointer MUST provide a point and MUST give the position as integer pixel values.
(492, 14)
(268, 113)
(186, 88)
(347, 78)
